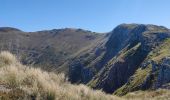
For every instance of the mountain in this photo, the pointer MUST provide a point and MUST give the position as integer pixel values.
(135, 57)
(130, 58)
(50, 48)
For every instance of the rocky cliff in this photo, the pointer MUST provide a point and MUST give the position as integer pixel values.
(121, 59)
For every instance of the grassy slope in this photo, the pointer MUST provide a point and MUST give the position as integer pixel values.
(23, 82)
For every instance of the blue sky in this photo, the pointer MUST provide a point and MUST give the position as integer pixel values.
(94, 15)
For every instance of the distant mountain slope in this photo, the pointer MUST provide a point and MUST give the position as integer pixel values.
(46, 48)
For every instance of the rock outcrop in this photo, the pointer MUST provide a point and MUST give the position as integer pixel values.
(126, 50)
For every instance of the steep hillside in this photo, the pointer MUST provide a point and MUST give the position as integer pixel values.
(118, 62)
(153, 73)
(50, 48)
(133, 49)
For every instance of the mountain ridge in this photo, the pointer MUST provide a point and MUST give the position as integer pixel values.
(112, 62)
(35, 42)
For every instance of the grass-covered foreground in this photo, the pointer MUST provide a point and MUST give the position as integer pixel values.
(23, 82)
(19, 82)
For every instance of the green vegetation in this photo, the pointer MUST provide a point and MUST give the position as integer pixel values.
(163, 51)
(131, 51)
(137, 79)
(93, 83)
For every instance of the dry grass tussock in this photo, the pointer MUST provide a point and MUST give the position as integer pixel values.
(19, 82)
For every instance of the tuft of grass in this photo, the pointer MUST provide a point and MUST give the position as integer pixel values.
(6, 58)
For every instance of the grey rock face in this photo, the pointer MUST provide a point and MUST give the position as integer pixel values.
(160, 73)
(79, 73)
(164, 73)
